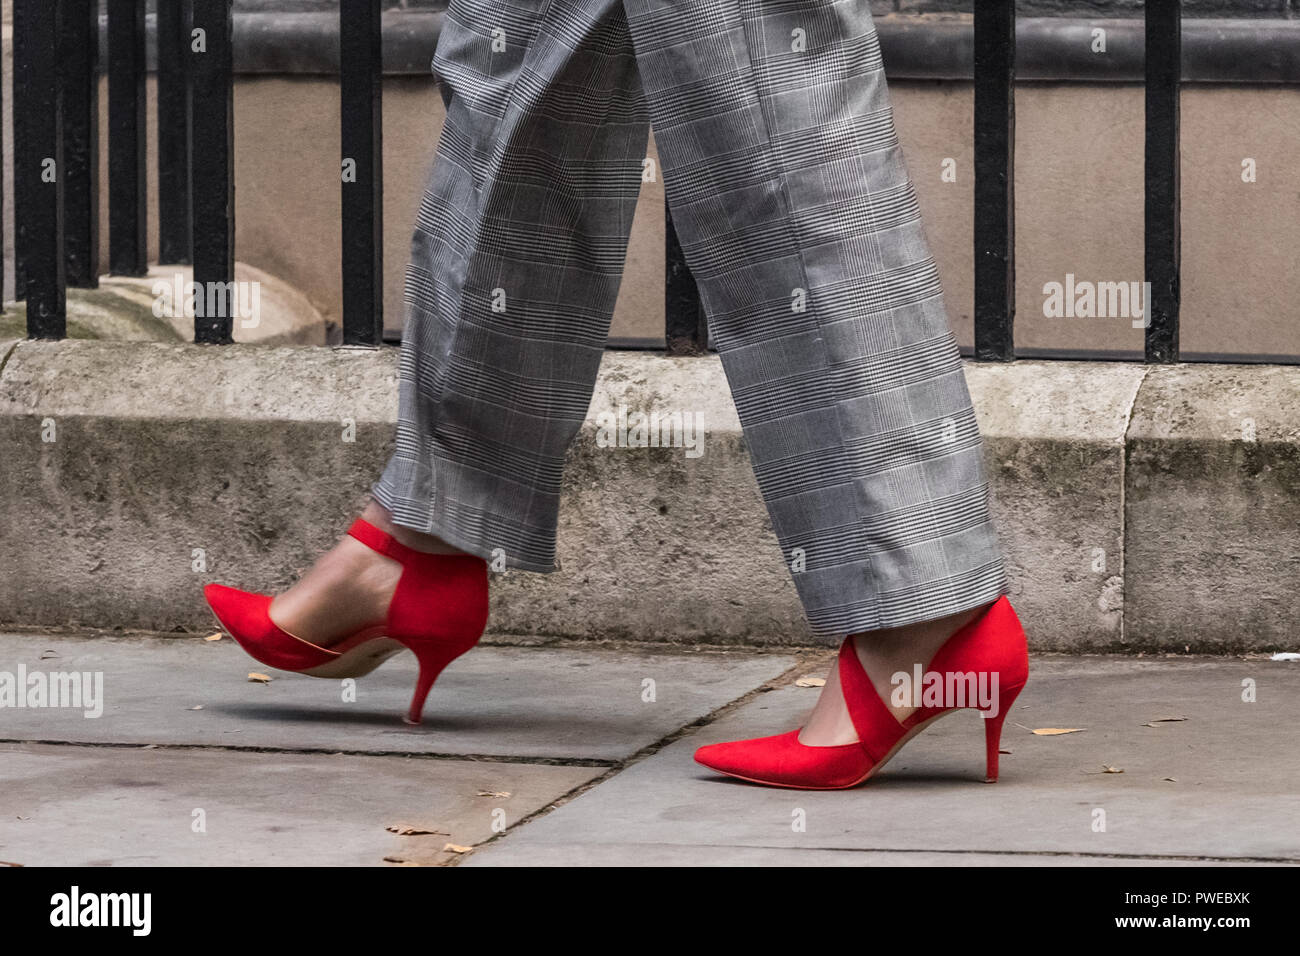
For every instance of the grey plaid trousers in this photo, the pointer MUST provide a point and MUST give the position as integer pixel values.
(786, 182)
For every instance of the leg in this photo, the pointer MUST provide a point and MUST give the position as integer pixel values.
(798, 219)
(515, 267)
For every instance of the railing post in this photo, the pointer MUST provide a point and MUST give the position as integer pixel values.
(1162, 270)
(80, 35)
(995, 206)
(212, 221)
(127, 163)
(361, 140)
(685, 327)
(38, 167)
(173, 34)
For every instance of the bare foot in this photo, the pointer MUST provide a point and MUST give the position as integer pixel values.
(350, 586)
(883, 654)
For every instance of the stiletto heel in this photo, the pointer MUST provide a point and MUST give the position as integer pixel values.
(439, 611)
(993, 645)
(432, 663)
(993, 733)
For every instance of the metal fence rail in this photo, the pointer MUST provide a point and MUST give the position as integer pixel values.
(1163, 73)
(56, 147)
(80, 35)
(361, 77)
(39, 244)
(995, 208)
(212, 168)
(174, 94)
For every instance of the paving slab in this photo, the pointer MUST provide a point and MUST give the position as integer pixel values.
(574, 703)
(102, 806)
(1220, 784)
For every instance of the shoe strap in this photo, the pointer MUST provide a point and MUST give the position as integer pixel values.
(878, 729)
(383, 542)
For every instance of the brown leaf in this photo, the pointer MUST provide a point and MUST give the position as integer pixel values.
(256, 678)
(1106, 769)
(1157, 721)
(7, 863)
(494, 793)
(456, 848)
(810, 682)
(1058, 731)
(213, 637)
(1172, 779)
(410, 829)
(399, 861)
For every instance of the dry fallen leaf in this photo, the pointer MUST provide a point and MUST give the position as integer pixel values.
(197, 707)
(456, 848)
(399, 861)
(7, 863)
(1057, 731)
(213, 637)
(408, 829)
(494, 793)
(1172, 779)
(1106, 769)
(1004, 751)
(46, 655)
(1162, 720)
(810, 682)
(257, 678)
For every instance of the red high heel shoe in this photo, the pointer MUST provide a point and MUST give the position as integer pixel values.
(994, 643)
(439, 610)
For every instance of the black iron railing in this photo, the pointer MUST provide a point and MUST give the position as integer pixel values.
(212, 163)
(39, 247)
(174, 120)
(995, 207)
(1162, 244)
(81, 142)
(56, 146)
(361, 76)
(995, 134)
(127, 161)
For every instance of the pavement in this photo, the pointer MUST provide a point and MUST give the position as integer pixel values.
(552, 753)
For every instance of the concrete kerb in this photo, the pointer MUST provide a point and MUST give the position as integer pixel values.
(173, 465)
(1213, 507)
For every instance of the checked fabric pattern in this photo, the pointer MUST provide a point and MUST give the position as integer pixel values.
(800, 224)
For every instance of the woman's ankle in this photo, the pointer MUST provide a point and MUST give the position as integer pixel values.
(379, 516)
(915, 639)
(886, 652)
